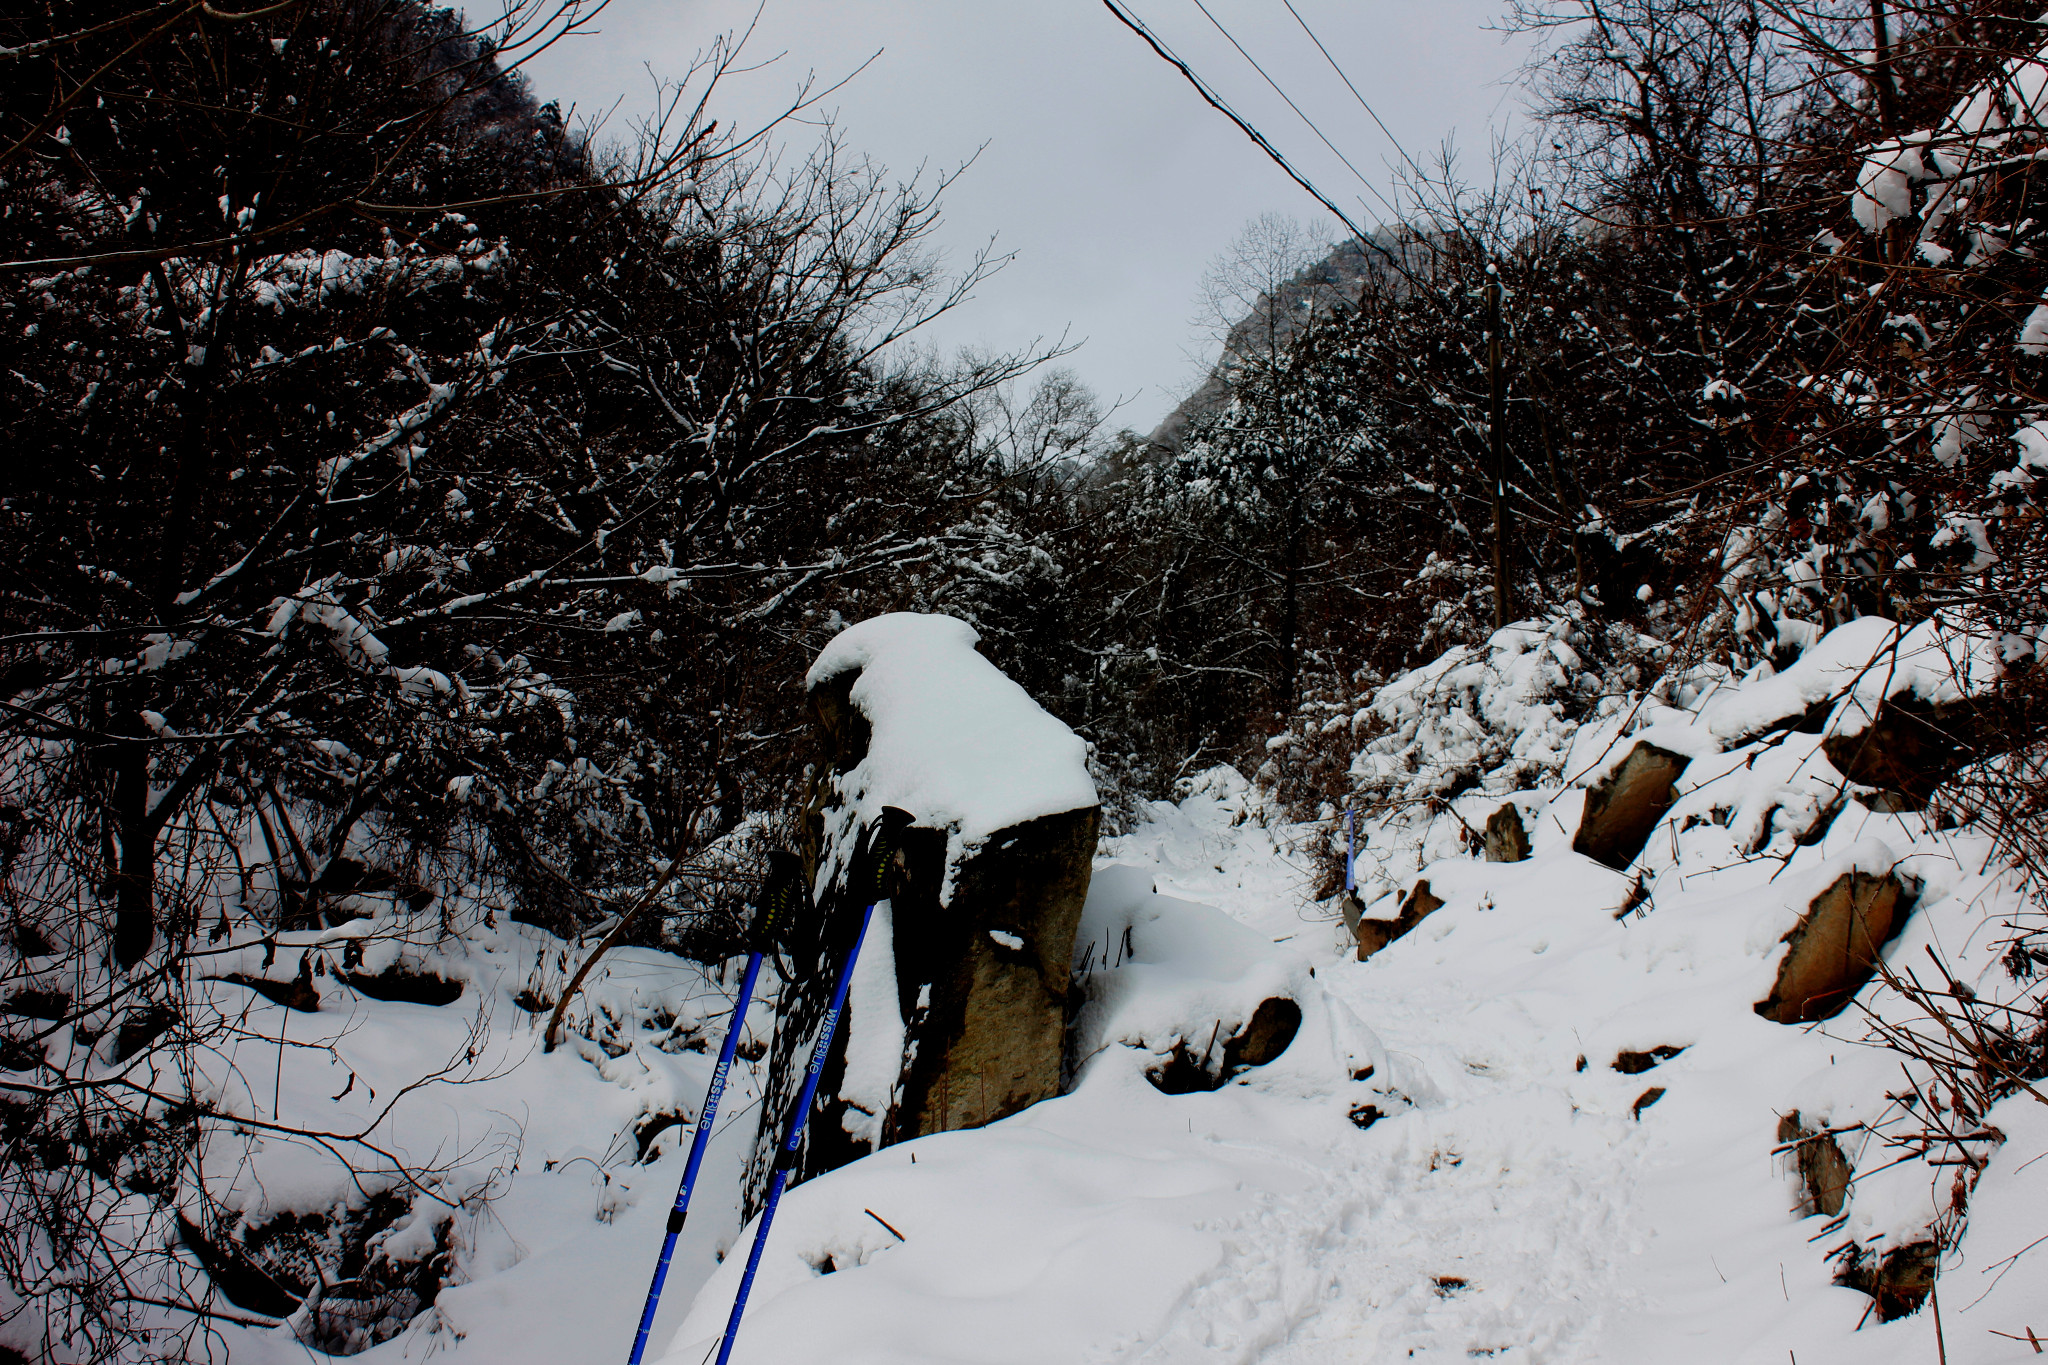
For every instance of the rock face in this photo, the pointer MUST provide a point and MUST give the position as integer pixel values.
(1329, 286)
(1375, 934)
(1623, 809)
(991, 964)
(957, 1015)
(1506, 839)
(1834, 948)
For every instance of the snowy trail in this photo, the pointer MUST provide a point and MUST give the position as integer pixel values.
(1485, 1222)
(1520, 1199)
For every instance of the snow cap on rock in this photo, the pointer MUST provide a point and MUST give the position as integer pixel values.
(952, 739)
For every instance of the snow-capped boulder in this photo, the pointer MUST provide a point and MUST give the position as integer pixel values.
(1911, 747)
(957, 1013)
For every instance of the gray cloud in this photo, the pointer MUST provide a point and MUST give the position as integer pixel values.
(1102, 170)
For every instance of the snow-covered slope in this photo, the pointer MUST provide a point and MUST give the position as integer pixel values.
(1446, 1164)
(1506, 1204)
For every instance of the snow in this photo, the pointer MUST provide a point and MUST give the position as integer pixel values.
(1502, 707)
(1862, 663)
(1444, 1165)
(1515, 1196)
(875, 1031)
(952, 740)
(538, 1184)
(1978, 130)
(1884, 185)
(2034, 331)
(1259, 1223)
(1847, 674)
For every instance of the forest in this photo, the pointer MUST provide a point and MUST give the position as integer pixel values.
(415, 501)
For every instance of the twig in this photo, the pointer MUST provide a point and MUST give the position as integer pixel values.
(618, 932)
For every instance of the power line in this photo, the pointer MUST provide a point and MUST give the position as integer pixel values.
(1349, 86)
(1215, 101)
(1295, 107)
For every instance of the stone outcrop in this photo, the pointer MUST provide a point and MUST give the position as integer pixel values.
(1912, 747)
(991, 835)
(1834, 947)
(1507, 841)
(1375, 934)
(991, 968)
(1264, 1037)
(1261, 1039)
(1625, 806)
(1900, 1281)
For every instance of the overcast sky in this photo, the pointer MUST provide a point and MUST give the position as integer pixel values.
(1103, 170)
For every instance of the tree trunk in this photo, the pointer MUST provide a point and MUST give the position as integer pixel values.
(135, 877)
(1881, 70)
(1290, 613)
(135, 898)
(137, 823)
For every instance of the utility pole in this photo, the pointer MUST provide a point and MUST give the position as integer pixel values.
(1496, 428)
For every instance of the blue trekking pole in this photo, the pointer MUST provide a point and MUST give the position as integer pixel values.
(782, 895)
(869, 880)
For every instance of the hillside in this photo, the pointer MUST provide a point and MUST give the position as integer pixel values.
(1546, 1125)
(1329, 285)
(1517, 824)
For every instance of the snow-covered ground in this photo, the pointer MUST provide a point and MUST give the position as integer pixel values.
(1508, 1205)
(1444, 1165)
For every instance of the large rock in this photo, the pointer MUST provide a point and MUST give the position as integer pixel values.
(957, 1016)
(990, 964)
(1834, 947)
(1507, 840)
(1375, 934)
(1625, 806)
(1911, 746)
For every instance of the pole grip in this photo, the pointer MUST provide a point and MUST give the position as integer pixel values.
(785, 898)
